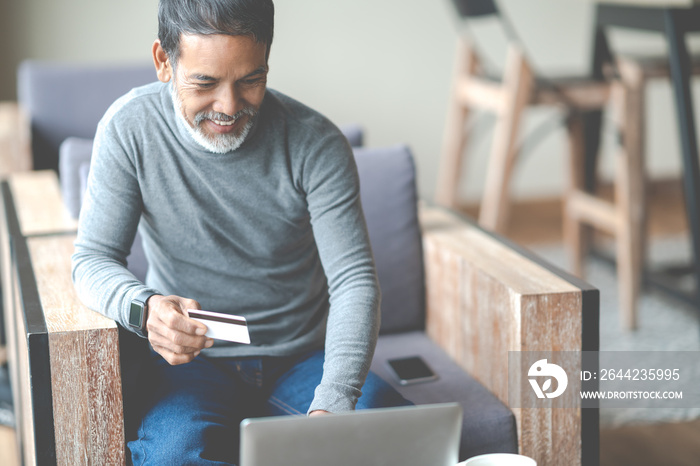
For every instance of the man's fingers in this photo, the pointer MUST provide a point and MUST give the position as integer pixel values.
(171, 329)
(183, 322)
(189, 304)
(171, 311)
(178, 343)
(199, 328)
(177, 319)
(162, 334)
(172, 358)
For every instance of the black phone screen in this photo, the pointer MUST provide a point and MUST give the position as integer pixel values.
(411, 369)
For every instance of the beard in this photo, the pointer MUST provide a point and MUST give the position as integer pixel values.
(216, 143)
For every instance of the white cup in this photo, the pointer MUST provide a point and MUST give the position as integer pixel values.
(499, 459)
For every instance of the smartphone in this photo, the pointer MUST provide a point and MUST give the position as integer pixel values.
(411, 370)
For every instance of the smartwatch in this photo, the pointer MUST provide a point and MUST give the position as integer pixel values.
(138, 313)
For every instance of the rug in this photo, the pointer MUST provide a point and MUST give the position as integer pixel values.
(665, 324)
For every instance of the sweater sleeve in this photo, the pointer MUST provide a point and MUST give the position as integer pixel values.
(333, 196)
(108, 221)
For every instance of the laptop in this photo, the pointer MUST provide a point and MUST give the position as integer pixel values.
(404, 436)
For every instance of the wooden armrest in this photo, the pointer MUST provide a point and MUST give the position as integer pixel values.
(64, 358)
(15, 152)
(39, 204)
(486, 297)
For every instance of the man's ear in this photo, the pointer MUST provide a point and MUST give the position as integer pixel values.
(160, 59)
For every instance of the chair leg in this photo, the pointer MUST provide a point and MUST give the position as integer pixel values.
(518, 82)
(450, 172)
(451, 162)
(630, 196)
(576, 232)
(635, 81)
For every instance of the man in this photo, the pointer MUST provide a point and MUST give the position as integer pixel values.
(248, 204)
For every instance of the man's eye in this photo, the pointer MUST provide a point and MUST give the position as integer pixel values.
(205, 85)
(252, 81)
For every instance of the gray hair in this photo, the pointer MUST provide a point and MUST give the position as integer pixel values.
(253, 18)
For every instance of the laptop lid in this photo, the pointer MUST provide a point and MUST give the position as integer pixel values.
(404, 436)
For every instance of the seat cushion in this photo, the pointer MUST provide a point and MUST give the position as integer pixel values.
(389, 200)
(488, 425)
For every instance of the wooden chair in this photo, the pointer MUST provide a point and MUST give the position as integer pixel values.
(625, 216)
(474, 89)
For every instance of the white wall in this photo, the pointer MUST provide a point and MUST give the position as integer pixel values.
(81, 30)
(384, 64)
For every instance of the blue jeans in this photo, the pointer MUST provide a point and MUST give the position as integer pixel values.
(191, 412)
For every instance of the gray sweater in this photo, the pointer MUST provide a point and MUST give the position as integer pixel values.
(273, 231)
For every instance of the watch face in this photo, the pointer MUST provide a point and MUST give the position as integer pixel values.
(136, 314)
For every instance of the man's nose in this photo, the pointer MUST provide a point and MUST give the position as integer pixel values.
(227, 101)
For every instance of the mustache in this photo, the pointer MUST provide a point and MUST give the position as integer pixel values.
(200, 117)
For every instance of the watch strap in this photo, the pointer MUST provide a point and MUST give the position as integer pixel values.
(141, 300)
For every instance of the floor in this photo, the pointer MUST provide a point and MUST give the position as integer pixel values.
(652, 445)
(539, 222)
(8, 448)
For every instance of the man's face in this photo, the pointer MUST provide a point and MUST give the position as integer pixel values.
(218, 87)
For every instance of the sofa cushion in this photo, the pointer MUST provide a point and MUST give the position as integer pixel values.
(354, 134)
(389, 200)
(84, 172)
(73, 153)
(64, 100)
(136, 261)
(488, 425)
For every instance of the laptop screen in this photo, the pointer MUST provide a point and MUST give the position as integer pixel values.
(404, 436)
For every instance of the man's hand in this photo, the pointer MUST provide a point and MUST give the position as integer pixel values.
(172, 334)
(318, 412)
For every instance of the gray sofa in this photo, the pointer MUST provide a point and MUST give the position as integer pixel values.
(61, 123)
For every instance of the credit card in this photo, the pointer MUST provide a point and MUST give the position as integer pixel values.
(222, 326)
